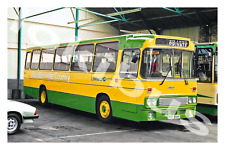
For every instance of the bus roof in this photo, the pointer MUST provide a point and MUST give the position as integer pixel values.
(130, 40)
(206, 44)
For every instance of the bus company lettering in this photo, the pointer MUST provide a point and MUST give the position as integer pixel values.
(51, 76)
(100, 79)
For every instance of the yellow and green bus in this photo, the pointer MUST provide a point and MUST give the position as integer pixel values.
(138, 77)
(206, 68)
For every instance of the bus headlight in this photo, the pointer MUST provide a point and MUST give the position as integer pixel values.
(151, 102)
(154, 102)
(189, 100)
(148, 102)
(194, 100)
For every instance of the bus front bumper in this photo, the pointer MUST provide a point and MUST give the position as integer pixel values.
(166, 114)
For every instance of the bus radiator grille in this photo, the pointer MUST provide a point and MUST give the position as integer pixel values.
(175, 101)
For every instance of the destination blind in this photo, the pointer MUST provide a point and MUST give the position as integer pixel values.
(172, 42)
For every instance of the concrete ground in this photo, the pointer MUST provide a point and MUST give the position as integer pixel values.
(60, 124)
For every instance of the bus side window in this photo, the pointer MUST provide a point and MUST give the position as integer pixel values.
(216, 66)
(129, 67)
(35, 59)
(204, 65)
(27, 64)
(62, 58)
(82, 58)
(47, 58)
(106, 57)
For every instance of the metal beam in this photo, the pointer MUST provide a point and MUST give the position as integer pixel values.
(170, 16)
(103, 15)
(76, 25)
(118, 12)
(99, 14)
(124, 12)
(176, 10)
(72, 14)
(15, 11)
(79, 20)
(43, 13)
(98, 23)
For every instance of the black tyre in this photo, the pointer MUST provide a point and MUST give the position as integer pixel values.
(104, 109)
(43, 96)
(14, 123)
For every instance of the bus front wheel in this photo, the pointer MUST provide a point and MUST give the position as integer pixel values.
(43, 97)
(104, 109)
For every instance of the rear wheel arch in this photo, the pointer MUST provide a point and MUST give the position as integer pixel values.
(98, 97)
(14, 122)
(42, 86)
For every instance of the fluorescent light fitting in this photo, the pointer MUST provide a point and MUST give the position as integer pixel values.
(124, 12)
(126, 31)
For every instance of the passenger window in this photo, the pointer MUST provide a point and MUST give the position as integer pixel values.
(35, 59)
(106, 57)
(62, 58)
(129, 63)
(216, 66)
(82, 58)
(47, 56)
(27, 64)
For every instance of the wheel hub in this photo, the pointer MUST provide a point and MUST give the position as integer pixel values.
(12, 124)
(43, 96)
(104, 109)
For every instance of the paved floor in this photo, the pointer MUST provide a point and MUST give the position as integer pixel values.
(60, 124)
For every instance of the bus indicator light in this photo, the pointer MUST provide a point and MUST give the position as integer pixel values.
(194, 89)
(149, 90)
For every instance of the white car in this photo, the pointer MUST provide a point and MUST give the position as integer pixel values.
(19, 113)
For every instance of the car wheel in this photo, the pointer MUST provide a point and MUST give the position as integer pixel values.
(43, 97)
(14, 123)
(104, 109)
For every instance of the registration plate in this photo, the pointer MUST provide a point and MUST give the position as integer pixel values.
(173, 117)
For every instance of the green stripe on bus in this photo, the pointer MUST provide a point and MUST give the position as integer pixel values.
(199, 95)
(120, 109)
(84, 103)
(207, 110)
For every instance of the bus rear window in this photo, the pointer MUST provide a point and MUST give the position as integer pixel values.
(27, 64)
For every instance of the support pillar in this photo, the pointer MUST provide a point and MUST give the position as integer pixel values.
(16, 93)
(76, 25)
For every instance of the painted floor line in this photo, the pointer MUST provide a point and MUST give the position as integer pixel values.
(98, 133)
(40, 140)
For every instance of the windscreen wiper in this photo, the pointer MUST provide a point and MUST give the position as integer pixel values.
(185, 80)
(165, 76)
